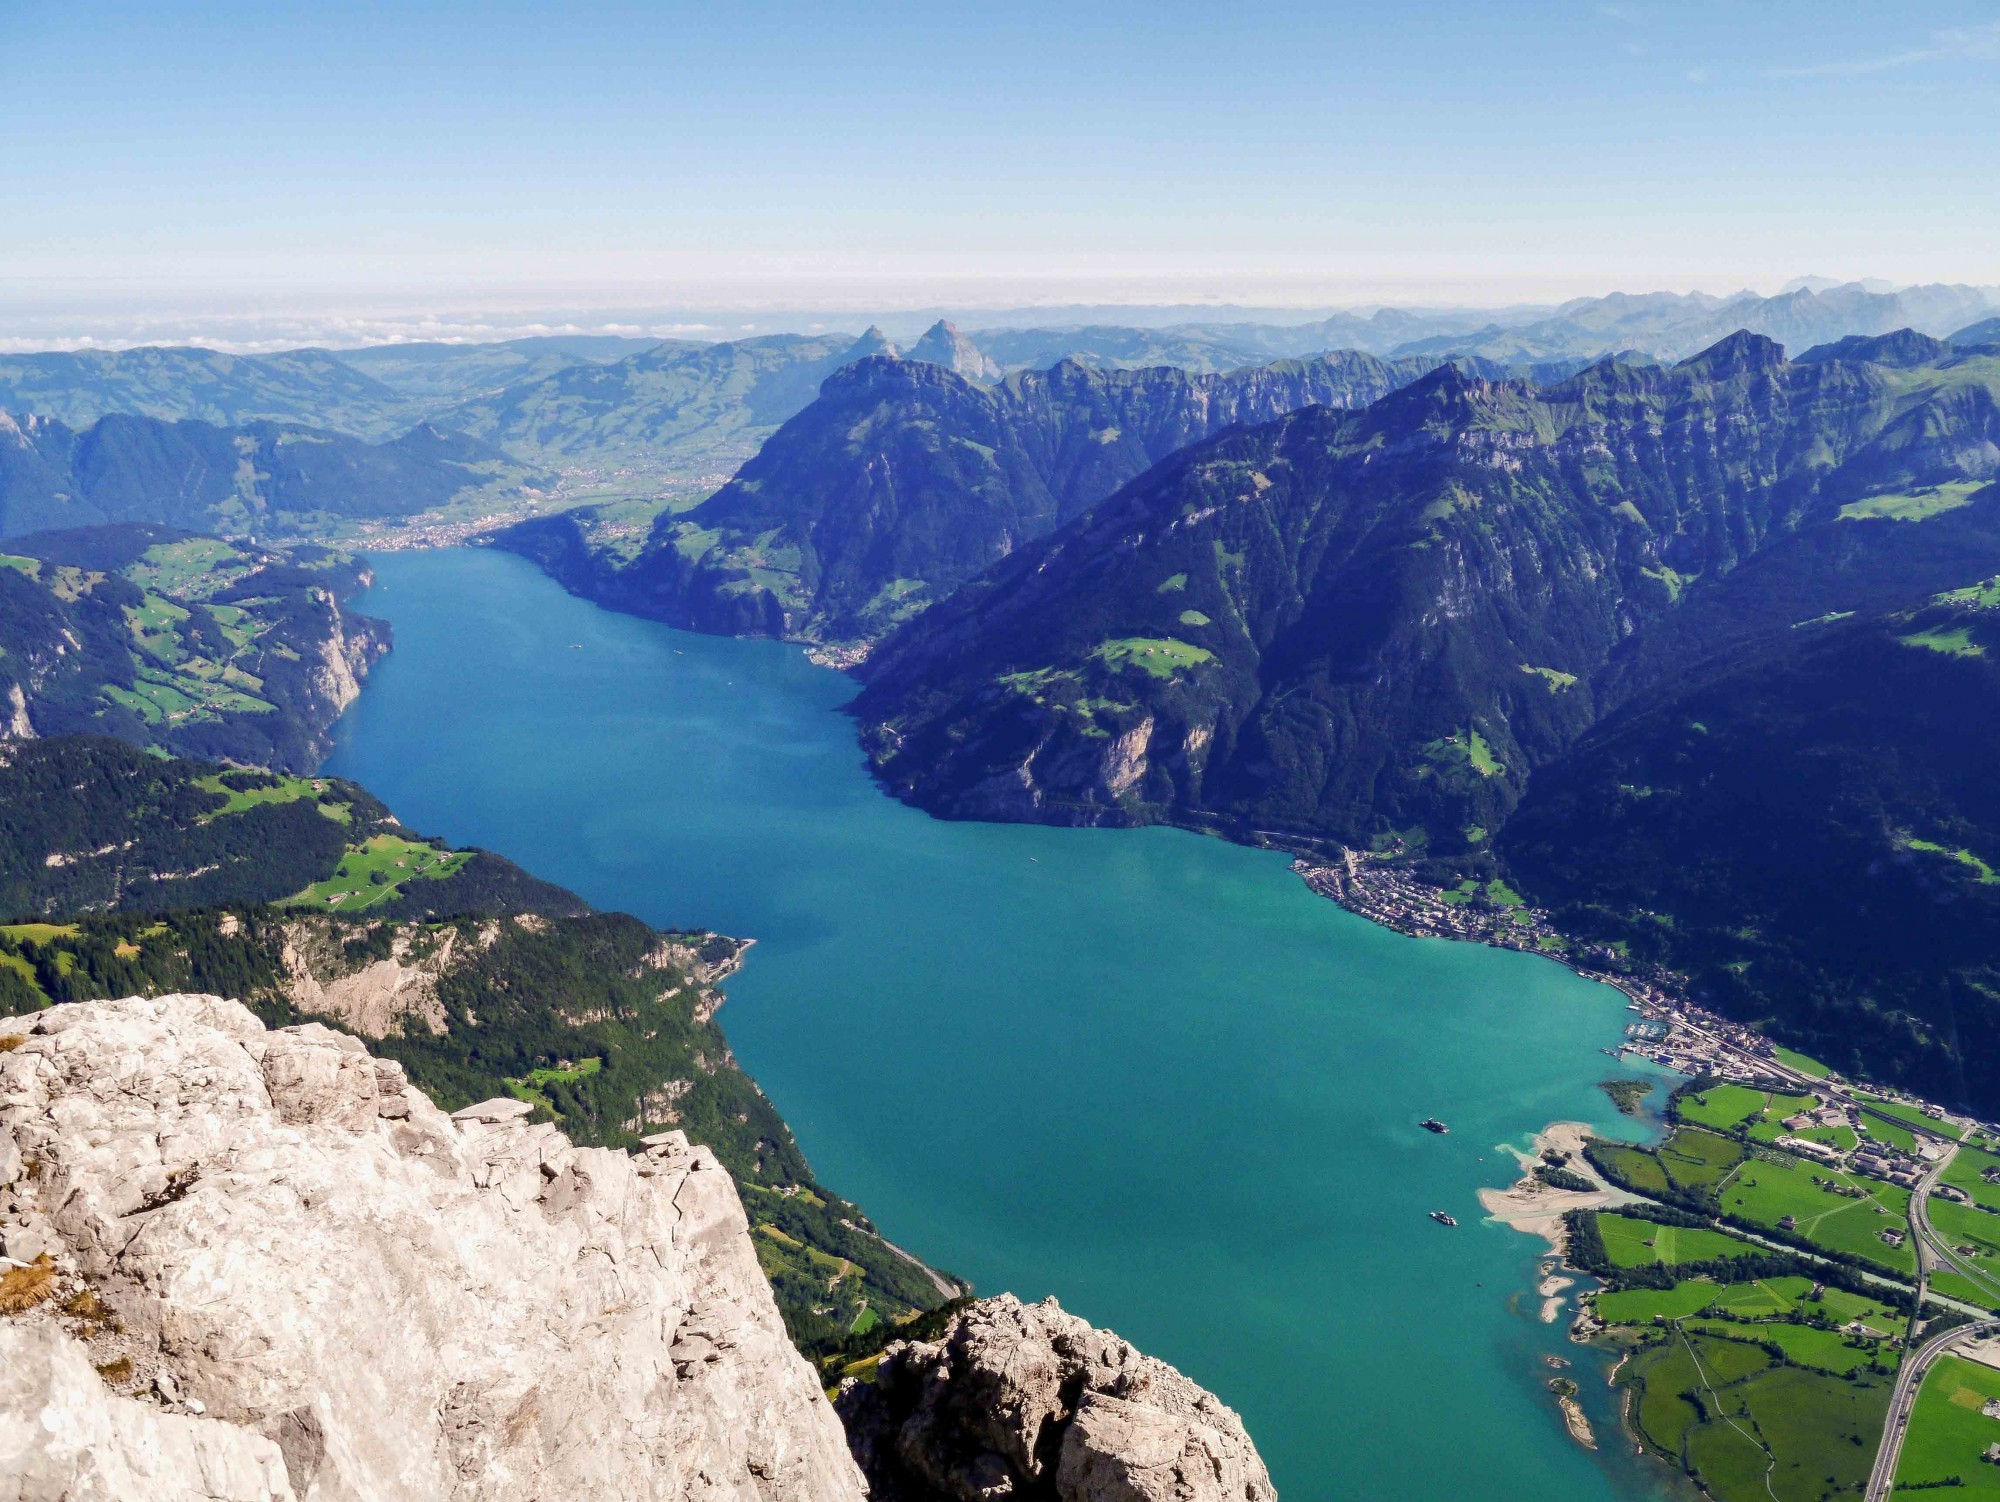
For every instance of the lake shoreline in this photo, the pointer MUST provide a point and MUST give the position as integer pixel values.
(991, 1035)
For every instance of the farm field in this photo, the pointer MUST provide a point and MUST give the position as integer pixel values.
(1966, 1290)
(1761, 1114)
(1913, 505)
(1964, 1173)
(1721, 1106)
(1889, 1133)
(1662, 1373)
(1948, 1433)
(1159, 656)
(529, 1087)
(1822, 1431)
(1637, 1243)
(1973, 1233)
(1793, 1059)
(246, 790)
(1762, 1298)
(1698, 1160)
(1842, 1307)
(377, 870)
(1636, 1164)
(1767, 1189)
(196, 567)
(1810, 1435)
(1823, 1350)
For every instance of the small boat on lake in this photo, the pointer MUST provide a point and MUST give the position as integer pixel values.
(1443, 1219)
(1432, 1124)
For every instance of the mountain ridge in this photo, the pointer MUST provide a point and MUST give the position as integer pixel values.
(903, 479)
(1380, 627)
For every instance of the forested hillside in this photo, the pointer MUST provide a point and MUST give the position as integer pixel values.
(93, 825)
(904, 479)
(188, 643)
(135, 874)
(1810, 829)
(1386, 627)
(260, 479)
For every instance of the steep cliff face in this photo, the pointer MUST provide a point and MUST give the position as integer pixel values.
(1026, 1401)
(299, 1279)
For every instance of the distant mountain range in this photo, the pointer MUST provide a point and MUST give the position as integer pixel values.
(256, 479)
(672, 407)
(305, 387)
(904, 480)
(629, 416)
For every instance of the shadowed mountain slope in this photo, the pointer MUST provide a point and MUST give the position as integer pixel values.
(903, 480)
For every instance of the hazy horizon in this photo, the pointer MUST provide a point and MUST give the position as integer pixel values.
(256, 326)
(384, 168)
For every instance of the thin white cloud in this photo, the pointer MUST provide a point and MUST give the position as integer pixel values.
(1955, 44)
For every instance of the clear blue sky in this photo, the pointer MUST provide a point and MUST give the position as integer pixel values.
(820, 153)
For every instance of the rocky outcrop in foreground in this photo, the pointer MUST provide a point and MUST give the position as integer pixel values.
(296, 1278)
(254, 1266)
(1025, 1401)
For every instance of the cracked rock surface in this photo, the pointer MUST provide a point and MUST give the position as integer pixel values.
(1025, 1401)
(296, 1278)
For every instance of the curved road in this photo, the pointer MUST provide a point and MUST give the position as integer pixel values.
(1931, 1249)
(1928, 1240)
(1908, 1382)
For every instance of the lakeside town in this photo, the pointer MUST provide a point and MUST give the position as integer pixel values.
(1789, 1221)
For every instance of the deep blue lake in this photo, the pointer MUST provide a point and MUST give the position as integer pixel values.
(1147, 1072)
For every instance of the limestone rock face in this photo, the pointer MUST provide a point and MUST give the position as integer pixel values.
(300, 1279)
(65, 1437)
(1025, 1401)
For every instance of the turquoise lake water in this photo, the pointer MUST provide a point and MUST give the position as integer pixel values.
(1144, 1071)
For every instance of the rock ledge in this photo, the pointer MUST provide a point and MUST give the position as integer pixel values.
(298, 1279)
(1025, 1401)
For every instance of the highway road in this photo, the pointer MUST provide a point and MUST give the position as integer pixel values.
(1904, 1400)
(1932, 1251)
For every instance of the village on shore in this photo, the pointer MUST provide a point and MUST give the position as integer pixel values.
(1811, 1253)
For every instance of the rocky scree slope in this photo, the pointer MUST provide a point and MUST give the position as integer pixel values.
(297, 1278)
(1024, 1400)
(904, 479)
(1376, 624)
